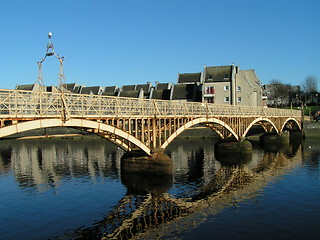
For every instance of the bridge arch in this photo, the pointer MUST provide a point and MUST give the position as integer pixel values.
(194, 122)
(257, 121)
(291, 120)
(82, 123)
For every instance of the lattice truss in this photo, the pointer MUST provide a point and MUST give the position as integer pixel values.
(152, 123)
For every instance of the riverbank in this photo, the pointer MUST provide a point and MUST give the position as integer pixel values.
(311, 129)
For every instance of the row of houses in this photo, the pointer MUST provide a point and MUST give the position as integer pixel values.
(215, 84)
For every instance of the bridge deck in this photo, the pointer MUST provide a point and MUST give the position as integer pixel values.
(131, 122)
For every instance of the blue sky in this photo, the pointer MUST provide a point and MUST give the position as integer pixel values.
(115, 42)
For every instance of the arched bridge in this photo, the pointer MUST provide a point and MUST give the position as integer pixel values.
(135, 123)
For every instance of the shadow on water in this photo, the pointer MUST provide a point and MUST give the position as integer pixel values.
(148, 204)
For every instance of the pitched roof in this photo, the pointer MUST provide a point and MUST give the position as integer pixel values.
(27, 87)
(70, 86)
(129, 87)
(189, 77)
(145, 87)
(88, 90)
(110, 89)
(218, 74)
(160, 86)
(157, 94)
(112, 94)
(183, 91)
(131, 94)
(76, 89)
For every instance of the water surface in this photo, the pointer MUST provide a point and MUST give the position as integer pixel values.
(67, 189)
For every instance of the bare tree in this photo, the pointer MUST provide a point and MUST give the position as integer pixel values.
(310, 84)
(279, 89)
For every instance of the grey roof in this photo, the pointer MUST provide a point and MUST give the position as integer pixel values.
(70, 86)
(157, 94)
(129, 87)
(162, 86)
(88, 90)
(183, 92)
(218, 74)
(161, 94)
(112, 94)
(110, 89)
(130, 94)
(27, 87)
(145, 87)
(189, 77)
(76, 89)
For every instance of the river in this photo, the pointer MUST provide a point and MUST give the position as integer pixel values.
(75, 189)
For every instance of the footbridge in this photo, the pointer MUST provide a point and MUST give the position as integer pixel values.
(135, 123)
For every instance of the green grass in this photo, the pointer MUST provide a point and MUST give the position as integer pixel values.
(306, 110)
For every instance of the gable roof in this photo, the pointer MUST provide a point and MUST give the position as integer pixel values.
(131, 94)
(183, 92)
(26, 87)
(189, 77)
(160, 86)
(218, 74)
(110, 89)
(94, 90)
(145, 87)
(129, 87)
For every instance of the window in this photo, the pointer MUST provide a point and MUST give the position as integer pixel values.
(209, 100)
(226, 76)
(226, 88)
(209, 90)
(238, 89)
(226, 99)
(238, 99)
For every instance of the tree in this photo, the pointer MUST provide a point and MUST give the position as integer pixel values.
(284, 94)
(309, 87)
(310, 84)
(279, 89)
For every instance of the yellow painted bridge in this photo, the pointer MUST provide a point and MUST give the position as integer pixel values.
(135, 123)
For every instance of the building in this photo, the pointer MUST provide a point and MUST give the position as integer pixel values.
(226, 85)
(215, 84)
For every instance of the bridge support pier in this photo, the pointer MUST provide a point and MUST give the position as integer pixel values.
(233, 152)
(274, 139)
(140, 163)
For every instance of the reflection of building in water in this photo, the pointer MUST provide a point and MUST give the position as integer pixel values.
(43, 164)
(193, 160)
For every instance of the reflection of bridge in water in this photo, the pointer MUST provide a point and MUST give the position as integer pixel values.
(137, 213)
(146, 203)
(135, 123)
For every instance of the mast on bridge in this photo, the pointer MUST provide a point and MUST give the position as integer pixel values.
(50, 52)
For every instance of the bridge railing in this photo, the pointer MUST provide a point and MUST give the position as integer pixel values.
(26, 104)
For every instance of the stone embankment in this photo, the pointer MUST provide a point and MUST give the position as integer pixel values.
(311, 129)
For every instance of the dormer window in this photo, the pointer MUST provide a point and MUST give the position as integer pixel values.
(226, 76)
(210, 77)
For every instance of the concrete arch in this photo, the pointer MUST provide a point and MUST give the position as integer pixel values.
(56, 122)
(259, 120)
(194, 122)
(288, 120)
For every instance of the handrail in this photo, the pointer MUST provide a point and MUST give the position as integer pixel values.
(19, 104)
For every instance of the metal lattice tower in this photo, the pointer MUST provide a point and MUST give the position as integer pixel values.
(50, 52)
